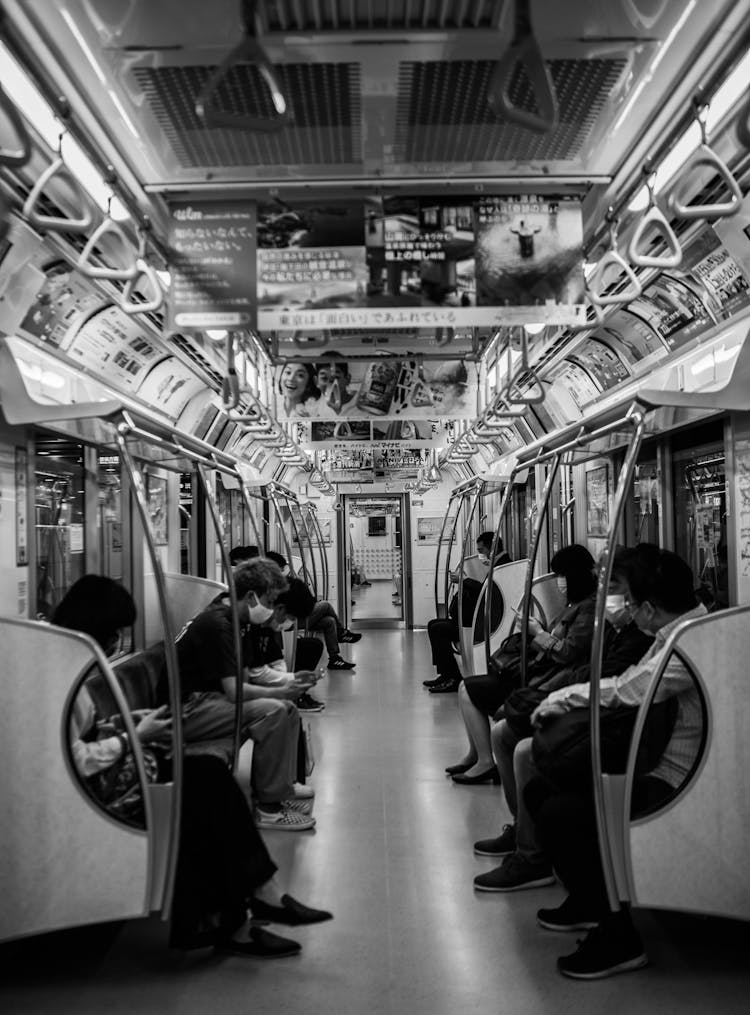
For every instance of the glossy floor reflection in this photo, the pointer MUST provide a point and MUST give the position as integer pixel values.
(376, 601)
(391, 856)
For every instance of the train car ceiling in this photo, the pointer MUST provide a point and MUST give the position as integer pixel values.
(375, 97)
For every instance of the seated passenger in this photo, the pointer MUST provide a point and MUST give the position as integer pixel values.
(525, 864)
(241, 554)
(206, 657)
(444, 634)
(324, 618)
(660, 596)
(568, 643)
(222, 860)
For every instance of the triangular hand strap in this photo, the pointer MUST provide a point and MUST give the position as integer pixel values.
(84, 265)
(655, 216)
(249, 51)
(524, 50)
(20, 156)
(342, 431)
(157, 299)
(333, 398)
(60, 225)
(640, 18)
(421, 395)
(596, 282)
(705, 156)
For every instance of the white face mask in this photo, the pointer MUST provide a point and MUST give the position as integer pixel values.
(259, 613)
(562, 585)
(483, 558)
(285, 570)
(615, 603)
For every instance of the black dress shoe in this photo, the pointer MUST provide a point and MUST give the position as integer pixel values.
(290, 912)
(491, 775)
(432, 683)
(262, 944)
(458, 769)
(445, 687)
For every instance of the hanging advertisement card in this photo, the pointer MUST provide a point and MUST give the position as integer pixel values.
(116, 348)
(734, 233)
(394, 461)
(723, 283)
(212, 264)
(345, 463)
(333, 388)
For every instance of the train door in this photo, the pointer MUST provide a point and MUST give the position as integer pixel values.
(377, 569)
(643, 522)
(700, 510)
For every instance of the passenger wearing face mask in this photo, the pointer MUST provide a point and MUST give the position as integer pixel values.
(208, 669)
(525, 864)
(660, 596)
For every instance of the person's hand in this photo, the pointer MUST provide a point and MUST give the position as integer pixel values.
(308, 676)
(534, 627)
(546, 711)
(153, 724)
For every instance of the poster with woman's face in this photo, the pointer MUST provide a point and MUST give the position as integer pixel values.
(381, 389)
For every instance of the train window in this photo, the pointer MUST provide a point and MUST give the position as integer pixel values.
(59, 521)
(700, 519)
(643, 506)
(109, 515)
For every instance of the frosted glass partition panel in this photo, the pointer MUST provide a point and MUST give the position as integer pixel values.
(63, 861)
(186, 595)
(508, 580)
(692, 854)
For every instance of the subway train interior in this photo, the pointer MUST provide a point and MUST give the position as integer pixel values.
(421, 297)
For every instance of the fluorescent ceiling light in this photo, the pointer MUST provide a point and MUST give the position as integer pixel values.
(217, 335)
(534, 329)
(723, 101)
(29, 100)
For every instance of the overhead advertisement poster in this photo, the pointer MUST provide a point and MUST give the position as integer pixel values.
(212, 265)
(427, 262)
(117, 348)
(347, 463)
(334, 388)
(708, 261)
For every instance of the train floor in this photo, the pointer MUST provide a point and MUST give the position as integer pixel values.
(376, 601)
(392, 857)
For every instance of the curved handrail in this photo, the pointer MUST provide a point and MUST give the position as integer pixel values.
(524, 50)
(20, 156)
(466, 649)
(249, 50)
(53, 222)
(84, 265)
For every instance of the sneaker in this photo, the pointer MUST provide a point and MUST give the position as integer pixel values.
(302, 791)
(300, 806)
(514, 873)
(306, 703)
(285, 820)
(565, 917)
(349, 637)
(505, 843)
(600, 954)
(337, 663)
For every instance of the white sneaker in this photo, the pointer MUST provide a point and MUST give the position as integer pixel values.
(303, 792)
(300, 806)
(284, 820)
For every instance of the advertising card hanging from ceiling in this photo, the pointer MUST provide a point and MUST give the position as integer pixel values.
(427, 262)
(707, 261)
(347, 463)
(212, 265)
(115, 347)
(333, 388)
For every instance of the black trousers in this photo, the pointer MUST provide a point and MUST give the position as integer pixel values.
(442, 633)
(566, 828)
(309, 651)
(222, 858)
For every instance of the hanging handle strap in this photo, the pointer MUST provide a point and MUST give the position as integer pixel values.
(654, 216)
(19, 156)
(53, 223)
(143, 270)
(249, 51)
(613, 258)
(524, 50)
(705, 156)
(90, 270)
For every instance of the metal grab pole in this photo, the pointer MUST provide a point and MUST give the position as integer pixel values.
(290, 504)
(321, 550)
(304, 526)
(249, 508)
(637, 419)
(477, 492)
(237, 637)
(173, 672)
(504, 503)
(446, 519)
(533, 549)
(451, 541)
(287, 545)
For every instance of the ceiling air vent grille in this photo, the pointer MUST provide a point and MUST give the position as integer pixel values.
(326, 114)
(359, 15)
(443, 114)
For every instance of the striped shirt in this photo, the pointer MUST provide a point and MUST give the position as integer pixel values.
(630, 688)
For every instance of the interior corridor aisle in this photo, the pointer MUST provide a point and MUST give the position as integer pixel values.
(392, 857)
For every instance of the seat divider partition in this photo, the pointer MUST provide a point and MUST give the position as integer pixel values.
(466, 641)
